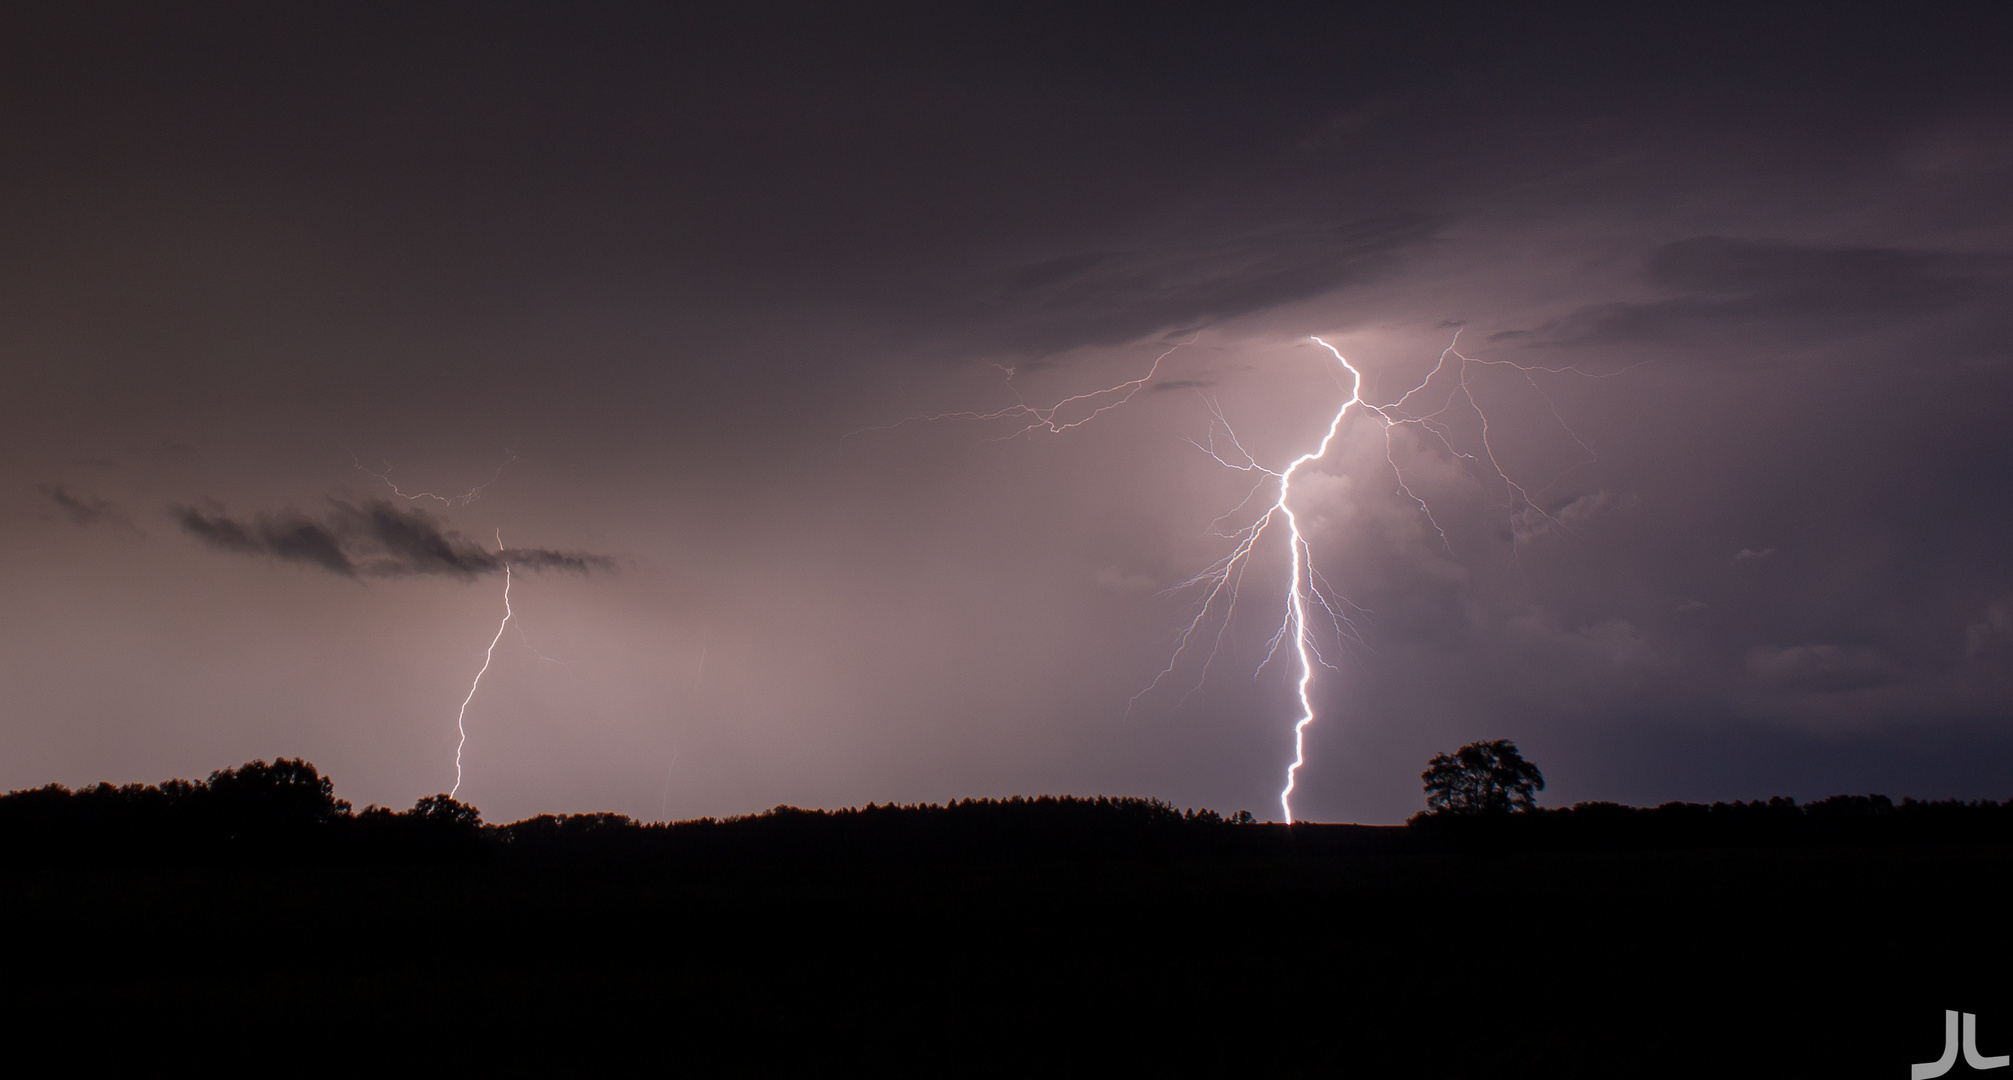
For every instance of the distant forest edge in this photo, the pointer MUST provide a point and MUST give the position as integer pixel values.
(287, 812)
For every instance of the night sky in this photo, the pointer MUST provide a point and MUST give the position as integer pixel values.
(648, 292)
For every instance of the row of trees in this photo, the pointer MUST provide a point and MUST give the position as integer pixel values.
(1487, 792)
(1484, 793)
(287, 811)
(258, 812)
(1042, 827)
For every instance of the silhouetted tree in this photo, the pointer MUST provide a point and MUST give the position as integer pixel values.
(288, 789)
(257, 810)
(1482, 778)
(445, 810)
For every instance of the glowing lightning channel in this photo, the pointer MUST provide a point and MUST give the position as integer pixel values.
(1303, 561)
(1220, 582)
(1228, 572)
(461, 718)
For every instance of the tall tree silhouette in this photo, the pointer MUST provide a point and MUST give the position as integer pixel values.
(1482, 778)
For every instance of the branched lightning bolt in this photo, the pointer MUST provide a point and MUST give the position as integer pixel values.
(1218, 584)
(1054, 419)
(463, 499)
(534, 650)
(1305, 586)
(461, 718)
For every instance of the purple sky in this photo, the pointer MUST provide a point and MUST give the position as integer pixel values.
(664, 268)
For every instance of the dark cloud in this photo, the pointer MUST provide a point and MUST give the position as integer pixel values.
(87, 510)
(1821, 667)
(1181, 384)
(1781, 289)
(1211, 271)
(377, 539)
(1995, 628)
(288, 536)
(1064, 270)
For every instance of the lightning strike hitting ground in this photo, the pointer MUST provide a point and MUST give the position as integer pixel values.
(1304, 584)
(461, 718)
(1219, 583)
(1297, 590)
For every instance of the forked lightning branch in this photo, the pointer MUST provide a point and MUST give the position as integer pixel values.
(1305, 597)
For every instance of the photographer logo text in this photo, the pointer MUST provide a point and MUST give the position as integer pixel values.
(1928, 1069)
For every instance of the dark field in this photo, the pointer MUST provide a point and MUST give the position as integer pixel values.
(1347, 951)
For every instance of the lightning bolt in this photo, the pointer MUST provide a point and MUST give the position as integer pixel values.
(1054, 419)
(463, 499)
(1218, 584)
(1302, 583)
(1227, 573)
(461, 718)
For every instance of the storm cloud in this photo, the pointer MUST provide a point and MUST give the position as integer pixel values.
(87, 510)
(375, 539)
(1211, 272)
(1781, 290)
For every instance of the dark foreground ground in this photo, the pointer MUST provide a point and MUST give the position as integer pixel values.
(1347, 953)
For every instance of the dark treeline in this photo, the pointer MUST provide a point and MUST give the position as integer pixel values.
(1044, 827)
(1842, 820)
(287, 812)
(1002, 937)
